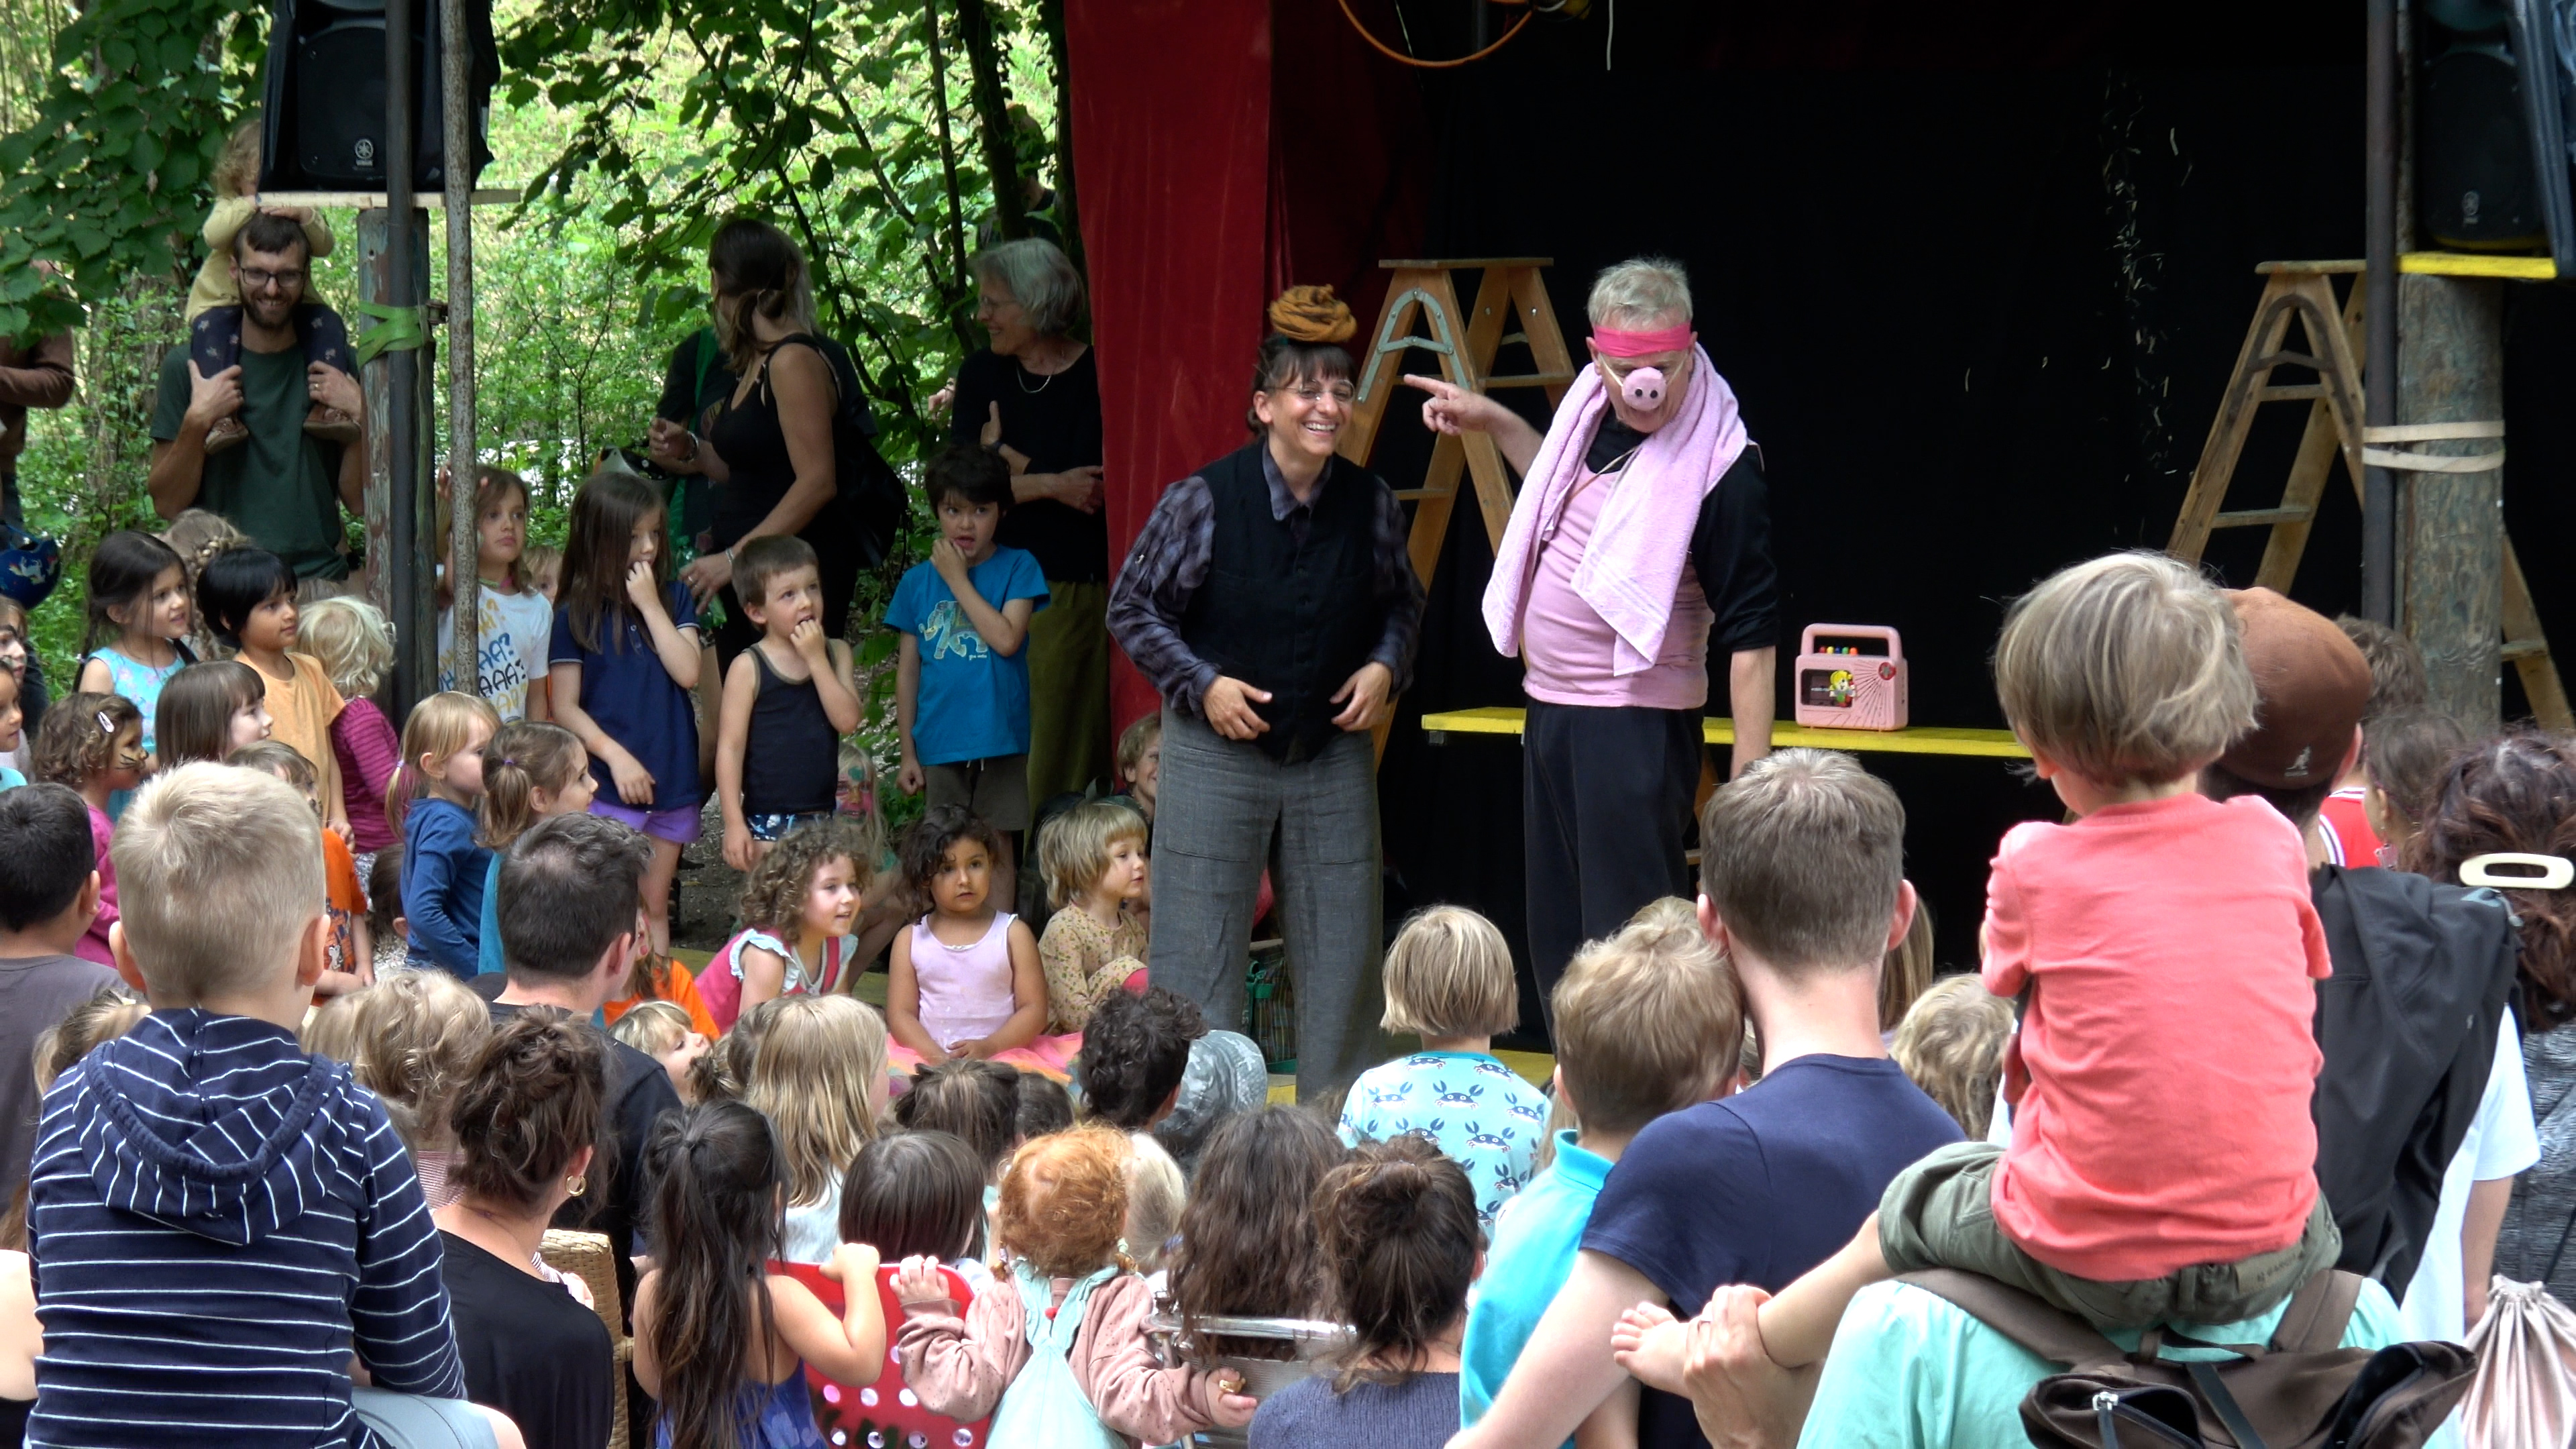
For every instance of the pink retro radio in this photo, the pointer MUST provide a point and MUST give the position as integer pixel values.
(1850, 677)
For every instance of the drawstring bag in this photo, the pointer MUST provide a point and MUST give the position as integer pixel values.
(2524, 1391)
(1044, 1408)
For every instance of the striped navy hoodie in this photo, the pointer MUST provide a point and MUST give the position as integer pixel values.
(217, 1221)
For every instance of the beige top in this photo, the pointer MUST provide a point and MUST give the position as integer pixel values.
(214, 286)
(1085, 961)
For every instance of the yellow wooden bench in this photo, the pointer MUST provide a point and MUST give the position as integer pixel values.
(1718, 730)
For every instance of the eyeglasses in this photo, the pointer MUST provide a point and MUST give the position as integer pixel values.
(260, 281)
(1310, 394)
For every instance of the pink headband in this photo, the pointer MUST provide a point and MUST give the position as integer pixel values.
(1616, 343)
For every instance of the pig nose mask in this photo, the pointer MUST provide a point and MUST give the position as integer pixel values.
(1644, 389)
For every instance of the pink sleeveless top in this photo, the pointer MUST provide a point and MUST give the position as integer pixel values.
(965, 990)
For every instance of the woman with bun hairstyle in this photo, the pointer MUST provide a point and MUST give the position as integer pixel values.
(527, 1120)
(1398, 1225)
(1270, 692)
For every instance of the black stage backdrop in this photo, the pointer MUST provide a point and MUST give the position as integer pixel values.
(1977, 273)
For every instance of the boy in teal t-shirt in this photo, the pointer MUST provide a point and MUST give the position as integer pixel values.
(961, 693)
(1646, 1024)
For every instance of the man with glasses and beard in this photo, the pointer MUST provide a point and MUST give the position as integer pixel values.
(283, 473)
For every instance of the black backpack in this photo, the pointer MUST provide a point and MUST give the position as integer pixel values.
(2303, 1390)
(870, 504)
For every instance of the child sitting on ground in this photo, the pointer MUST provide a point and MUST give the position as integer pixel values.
(1647, 1023)
(797, 909)
(209, 710)
(412, 1039)
(720, 1343)
(1248, 1243)
(309, 1215)
(94, 744)
(965, 980)
(1951, 1043)
(46, 898)
(214, 312)
(788, 700)
(356, 647)
(1449, 981)
(1398, 1225)
(352, 956)
(820, 1079)
(1156, 1194)
(663, 1031)
(2167, 943)
(1093, 859)
(977, 1102)
(2406, 753)
(385, 924)
(1057, 1352)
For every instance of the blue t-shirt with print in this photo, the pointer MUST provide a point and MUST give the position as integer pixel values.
(635, 701)
(1478, 1111)
(973, 703)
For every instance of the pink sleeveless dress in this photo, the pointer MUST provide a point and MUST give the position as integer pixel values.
(966, 994)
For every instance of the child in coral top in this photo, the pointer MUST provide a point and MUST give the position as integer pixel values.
(2166, 948)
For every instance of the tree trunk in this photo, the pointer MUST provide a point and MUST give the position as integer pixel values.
(1068, 219)
(993, 110)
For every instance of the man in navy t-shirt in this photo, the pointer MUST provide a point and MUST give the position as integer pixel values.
(1802, 881)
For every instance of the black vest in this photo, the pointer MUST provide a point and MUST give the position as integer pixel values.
(1296, 618)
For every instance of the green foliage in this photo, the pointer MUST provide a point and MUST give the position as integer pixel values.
(827, 118)
(109, 178)
(637, 127)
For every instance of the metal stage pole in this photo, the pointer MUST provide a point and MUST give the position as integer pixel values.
(415, 603)
(2379, 364)
(454, 61)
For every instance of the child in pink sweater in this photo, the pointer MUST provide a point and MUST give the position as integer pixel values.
(2165, 948)
(1056, 1351)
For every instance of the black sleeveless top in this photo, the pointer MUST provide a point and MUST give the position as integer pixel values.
(754, 445)
(791, 752)
(1289, 604)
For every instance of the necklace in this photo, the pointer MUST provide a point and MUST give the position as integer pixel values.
(1046, 379)
(536, 1259)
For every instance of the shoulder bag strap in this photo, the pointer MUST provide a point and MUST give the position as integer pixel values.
(2318, 1313)
(2052, 1333)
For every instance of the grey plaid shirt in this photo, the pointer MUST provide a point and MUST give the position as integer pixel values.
(1170, 561)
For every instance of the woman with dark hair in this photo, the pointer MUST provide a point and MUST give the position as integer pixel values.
(2517, 796)
(768, 446)
(1034, 393)
(1398, 1225)
(527, 1124)
(1272, 601)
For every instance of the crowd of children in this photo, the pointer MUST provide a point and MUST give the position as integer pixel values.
(1032, 1199)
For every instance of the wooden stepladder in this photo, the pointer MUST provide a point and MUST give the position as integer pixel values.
(1422, 312)
(2303, 292)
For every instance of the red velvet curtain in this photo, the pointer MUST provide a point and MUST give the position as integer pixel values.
(1171, 140)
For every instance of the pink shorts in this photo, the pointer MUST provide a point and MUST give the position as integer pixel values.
(678, 825)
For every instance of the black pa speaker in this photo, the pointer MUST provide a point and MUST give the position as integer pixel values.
(325, 119)
(2491, 156)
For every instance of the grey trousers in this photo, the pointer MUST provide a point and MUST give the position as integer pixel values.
(1224, 811)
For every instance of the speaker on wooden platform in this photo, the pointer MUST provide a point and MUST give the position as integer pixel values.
(2491, 132)
(325, 114)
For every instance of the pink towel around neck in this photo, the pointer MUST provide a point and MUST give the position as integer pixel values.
(1633, 566)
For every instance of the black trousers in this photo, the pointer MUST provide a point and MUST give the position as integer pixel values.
(1605, 794)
